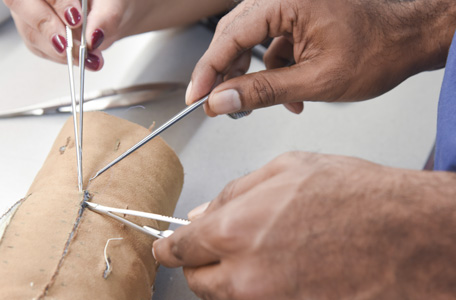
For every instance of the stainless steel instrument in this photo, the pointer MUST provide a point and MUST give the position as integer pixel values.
(77, 131)
(112, 212)
(156, 132)
(100, 100)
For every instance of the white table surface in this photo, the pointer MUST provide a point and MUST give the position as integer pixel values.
(396, 129)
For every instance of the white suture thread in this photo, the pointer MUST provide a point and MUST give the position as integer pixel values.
(108, 265)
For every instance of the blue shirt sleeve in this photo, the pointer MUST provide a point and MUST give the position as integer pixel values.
(445, 147)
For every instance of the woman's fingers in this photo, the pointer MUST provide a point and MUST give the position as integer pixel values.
(48, 45)
(105, 22)
(69, 11)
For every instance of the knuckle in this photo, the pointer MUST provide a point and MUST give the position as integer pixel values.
(228, 235)
(286, 160)
(228, 23)
(227, 193)
(307, 162)
(223, 23)
(263, 91)
(42, 23)
(227, 231)
(178, 249)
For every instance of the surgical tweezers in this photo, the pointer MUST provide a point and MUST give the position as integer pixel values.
(82, 57)
(111, 212)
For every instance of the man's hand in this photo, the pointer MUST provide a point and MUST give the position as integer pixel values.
(344, 50)
(310, 226)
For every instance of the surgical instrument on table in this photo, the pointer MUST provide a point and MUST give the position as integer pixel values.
(100, 100)
(111, 212)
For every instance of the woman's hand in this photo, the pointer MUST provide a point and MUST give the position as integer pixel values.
(42, 23)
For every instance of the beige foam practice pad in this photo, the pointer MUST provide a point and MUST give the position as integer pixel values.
(53, 248)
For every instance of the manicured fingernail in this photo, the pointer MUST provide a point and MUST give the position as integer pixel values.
(198, 211)
(225, 102)
(187, 93)
(59, 43)
(72, 16)
(92, 62)
(97, 38)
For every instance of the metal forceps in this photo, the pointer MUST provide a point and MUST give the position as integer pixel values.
(111, 212)
(82, 57)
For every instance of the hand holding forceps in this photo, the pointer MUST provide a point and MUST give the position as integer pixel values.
(82, 57)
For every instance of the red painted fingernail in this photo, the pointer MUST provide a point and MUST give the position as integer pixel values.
(97, 38)
(59, 43)
(92, 62)
(72, 16)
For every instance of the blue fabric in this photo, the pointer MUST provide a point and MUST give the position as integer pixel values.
(445, 147)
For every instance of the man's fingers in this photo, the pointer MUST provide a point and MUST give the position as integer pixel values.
(216, 234)
(228, 43)
(189, 246)
(238, 68)
(313, 80)
(279, 54)
(210, 282)
(237, 188)
(251, 91)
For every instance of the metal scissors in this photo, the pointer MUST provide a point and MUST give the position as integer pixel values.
(100, 100)
(111, 212)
